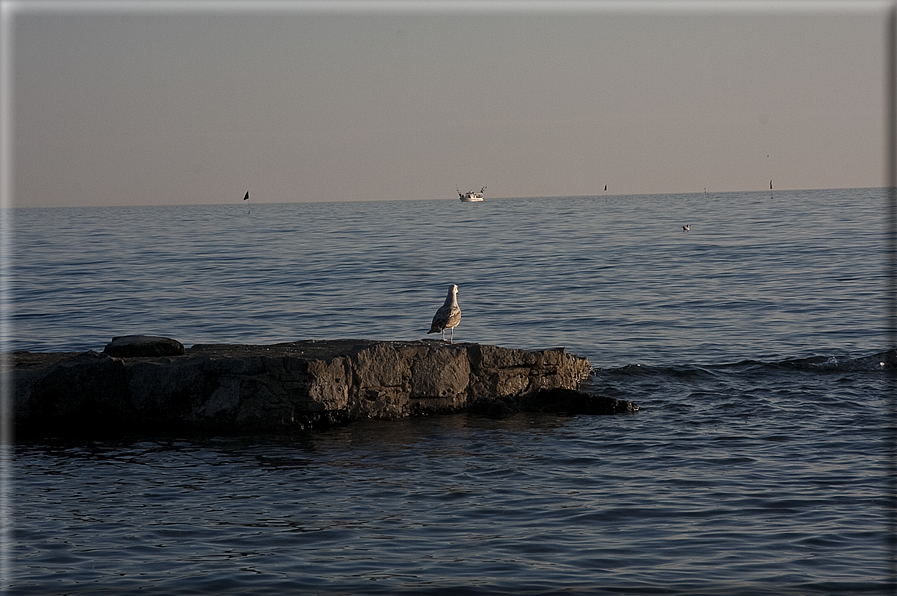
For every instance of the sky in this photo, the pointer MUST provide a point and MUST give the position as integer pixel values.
(151, 103)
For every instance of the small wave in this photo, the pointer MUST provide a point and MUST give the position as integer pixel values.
(648, 370)
(880, 361)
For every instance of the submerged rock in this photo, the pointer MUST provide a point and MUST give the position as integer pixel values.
(555, 401)
(282, 387)
(568, 401)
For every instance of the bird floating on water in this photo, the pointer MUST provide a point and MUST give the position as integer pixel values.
(448, 316)
(686, 228)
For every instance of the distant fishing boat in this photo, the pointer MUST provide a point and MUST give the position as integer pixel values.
(470, 196)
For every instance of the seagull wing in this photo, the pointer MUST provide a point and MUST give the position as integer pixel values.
(440, 319)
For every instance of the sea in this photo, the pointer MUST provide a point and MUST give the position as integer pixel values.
(756, 344)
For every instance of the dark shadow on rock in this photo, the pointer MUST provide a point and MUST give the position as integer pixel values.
(568, 401)
(554, 401)
(496, 408)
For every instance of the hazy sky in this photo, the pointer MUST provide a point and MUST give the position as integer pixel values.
(171, 103)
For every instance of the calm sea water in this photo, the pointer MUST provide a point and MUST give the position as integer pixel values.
(754, 344)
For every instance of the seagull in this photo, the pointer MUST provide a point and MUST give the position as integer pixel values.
(686, 228)
(448, 316)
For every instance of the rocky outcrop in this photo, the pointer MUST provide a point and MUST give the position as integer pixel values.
(130, 346)
(280, 387)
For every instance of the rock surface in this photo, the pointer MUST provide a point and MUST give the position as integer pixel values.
(131, 346)
(284, 387)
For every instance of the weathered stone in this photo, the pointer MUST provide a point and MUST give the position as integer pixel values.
(442, 374)
(90, 383)
(329, 385)
(160, 386)
(133, 346)
(281, 387)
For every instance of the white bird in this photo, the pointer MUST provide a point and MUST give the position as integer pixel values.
(686, 228)
(448, 316)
